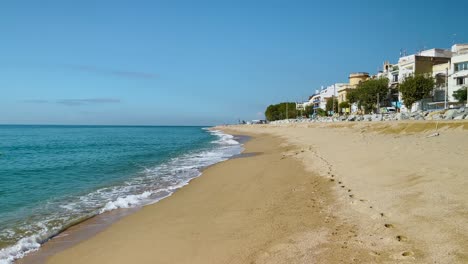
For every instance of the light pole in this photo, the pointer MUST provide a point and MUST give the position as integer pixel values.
(378, 104)
(446, 88)
(466, 96)
(333, 99)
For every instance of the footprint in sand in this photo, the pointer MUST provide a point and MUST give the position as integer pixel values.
(407, 254)
(401, 238)
(382, 214)
(388, 225)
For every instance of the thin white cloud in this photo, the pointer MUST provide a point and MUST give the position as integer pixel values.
(75, 102)
(113, 72)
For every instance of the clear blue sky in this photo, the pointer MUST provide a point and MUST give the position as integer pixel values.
(198, 62)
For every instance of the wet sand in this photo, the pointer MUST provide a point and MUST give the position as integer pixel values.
(326, 193)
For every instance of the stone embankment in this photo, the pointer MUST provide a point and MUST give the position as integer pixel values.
(451, 114)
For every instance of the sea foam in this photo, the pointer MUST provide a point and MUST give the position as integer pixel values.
(152, 185)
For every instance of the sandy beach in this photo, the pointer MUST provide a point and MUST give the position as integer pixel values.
(312, 193)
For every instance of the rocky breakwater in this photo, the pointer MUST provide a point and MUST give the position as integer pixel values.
(450, 114)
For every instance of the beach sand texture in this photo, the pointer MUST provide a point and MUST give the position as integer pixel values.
(314, 193)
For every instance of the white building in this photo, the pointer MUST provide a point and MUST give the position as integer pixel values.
(391, 72)
(423, 62)
(458, 72)
(319, 99)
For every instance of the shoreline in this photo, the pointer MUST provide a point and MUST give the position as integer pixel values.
(89, 227)
(210, 221)
(326, 209)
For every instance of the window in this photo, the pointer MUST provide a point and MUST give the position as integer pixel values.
(461, 66)
(460, 81)
(395, 78)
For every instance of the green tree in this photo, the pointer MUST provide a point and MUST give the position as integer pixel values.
(330, 103)
(309, 110)
(320, 112)
(281, 111)
(367, 93)
(460, 94)
(343, 105)
(353, 96)
(271, 113)
(415, 88)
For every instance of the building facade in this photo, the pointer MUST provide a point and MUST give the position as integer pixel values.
(424, 62)
(319, 99)
(458, 70)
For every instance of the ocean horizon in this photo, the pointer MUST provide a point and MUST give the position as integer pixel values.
(54, 176)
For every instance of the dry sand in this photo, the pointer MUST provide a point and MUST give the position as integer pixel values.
(318, 193)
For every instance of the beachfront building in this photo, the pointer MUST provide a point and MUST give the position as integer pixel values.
(391, 72)
(343, 89)
(314, 100)
(319, 99)
(439, 72)
(423, 62)
(458, 70)
(354, 79)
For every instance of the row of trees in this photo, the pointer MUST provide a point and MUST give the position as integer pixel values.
(288, 110)
(413, 89)
(281, 111)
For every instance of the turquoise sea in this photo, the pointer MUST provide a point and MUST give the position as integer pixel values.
(52, 177)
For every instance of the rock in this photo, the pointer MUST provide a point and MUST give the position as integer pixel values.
(466, 117)
(461, 110)
(450, 114)
(376, 118)
(459, 117)
(401, 116)
(351, 118)
(414, 114)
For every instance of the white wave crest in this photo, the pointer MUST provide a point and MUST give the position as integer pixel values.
(155, 184)
(126, 202)
(21, 248)
(224, 139)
